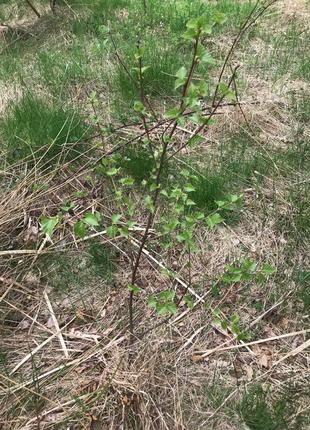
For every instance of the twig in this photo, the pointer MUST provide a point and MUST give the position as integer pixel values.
(190, 340)
(113, 342)
(37, 348)
(33, 8)
(244, 27)
(58, 331)
(203, 354)
(260, 317)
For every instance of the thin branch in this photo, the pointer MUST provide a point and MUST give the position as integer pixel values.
(244, 27)
(33, 8)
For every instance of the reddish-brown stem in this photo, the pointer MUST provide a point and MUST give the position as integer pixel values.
(122, 63)
(33, 8)
(157, 183)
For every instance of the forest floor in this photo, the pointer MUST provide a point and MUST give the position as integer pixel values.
(231, 351)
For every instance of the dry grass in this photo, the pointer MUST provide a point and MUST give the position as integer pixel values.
(161, 381)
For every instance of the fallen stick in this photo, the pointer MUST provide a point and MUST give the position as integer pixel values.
(203, 354)
(65, 365)
(58, 331)
(37, 348)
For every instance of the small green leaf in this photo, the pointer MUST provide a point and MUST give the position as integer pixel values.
(134, 288)
(92, 219)
(204, 56)
(152, 301)
(144, 69)
(112, 172)
(139, 107)
(149, 204)
(127, 181)
(248, 265)
(115, 218)
(225, 91)
(189, 34)
(48, 224)
(219, 18)
(189, 188)
(267, 269)
(181, 73)
(172, 113)
(167, 295)
(190, 202)
(188, 300)
(171, 307)
(124, 232)
(79, 229)
(213, 220)
(112, 231)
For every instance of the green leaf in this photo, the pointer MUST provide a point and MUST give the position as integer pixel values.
(189, 34)
(152, 301)
(144, 69)
(92, 219)
(213, 220)
(204, 56)
(127, 181)
(67, 207)
(48, 224)
(104, 30)
(267, 269)
(188, 300)
(139, 107)
(179, 83)
(181, 76)
(139, 53)
(149, 204)
(161, 308)
(112, 172)
(134, 288)
(115, 218)
(190, 202)
(197, 118)
(172, 113)
(181, 73)
(112, 231)
(189, 188)
(225, 91)
(219, 18)
(171, 225)
(196, 140)
(79, 229)
(167, 295)
(249, 265)
(124, 232)
(164, 193)
(171, 307)
(192, 23)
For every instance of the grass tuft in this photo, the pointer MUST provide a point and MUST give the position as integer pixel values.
(35, 129)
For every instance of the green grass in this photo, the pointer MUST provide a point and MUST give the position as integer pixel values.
(61, 70)
(35, 129)
(262, 411)
(303, 282)
(258, 414)
(286, 52)
(236, 164)
(67, 273)
(137, 163)
(209, 187)
(103, 260)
